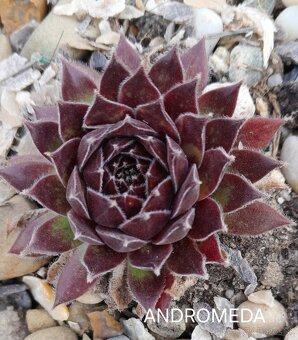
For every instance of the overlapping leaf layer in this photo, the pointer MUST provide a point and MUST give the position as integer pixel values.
(140, 167)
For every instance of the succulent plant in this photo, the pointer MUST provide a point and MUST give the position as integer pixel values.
(142, 167)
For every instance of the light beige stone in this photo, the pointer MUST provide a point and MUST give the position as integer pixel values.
(292, 334)
(53, 333)
(53, 33)
(39, 319)
(265, 318)
(289, 154)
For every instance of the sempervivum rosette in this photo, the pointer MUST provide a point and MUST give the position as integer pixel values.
(141, 167)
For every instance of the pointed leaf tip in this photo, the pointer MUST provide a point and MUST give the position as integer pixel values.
(77, 85)
(145, 286)
(220, 101)
(255, 218)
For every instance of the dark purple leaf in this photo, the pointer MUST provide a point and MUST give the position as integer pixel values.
(212, 170)
(256, 133)
(119, 241)
(104, 210)
(72, 281)
(146, 224)
(181, 99)
(50, 193)
(77, 84)
(234, 192)
(71, 117)
(104, 111)
(211, 249)
(127, 54)
(221, 101)
(83, 229)
(177, 163)
(186, 259)
(145, 286)
(138, 89)
(255, 218)
(100, 260)
(113, 76)
(195, 62)
(193, 144)
(222, 132)
(188, 193)
(155, 115)
(45, 135)
(253, 164)
(76, 194)
(176, 229)
(22, 171)
(65, 158)
(167, 71)
(208, 220)
(150, 257)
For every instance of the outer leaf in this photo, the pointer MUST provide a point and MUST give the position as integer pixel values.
(234, 192)
(22, 171)
(139, 84)
(221, 101)
(72, 281)
(119, 241)
(104, 111)
(49, 192)
(167, 71)
(195, 62)
(52, 237)
(193, 144)
(208, 220)
(65, 158)
(71, 117)
(254, 219)
(181, 99)
(45, 135)
(104, 210)
(176, 229)
(188, 193)
(100, 260)
(177, 163)
(113, 76)
(127, 54)
(186, 259)
(47, 113)
(212, 170)
(245, 163)
(152, 223)
(76, 194)
(151, 257)
(256, 133)
(24, 238)
(77, 85)
(211, 249)
(83, 229)
(145, 286)
(222, 132)
(155, 115)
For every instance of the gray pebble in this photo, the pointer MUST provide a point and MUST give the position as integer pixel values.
(245, 63)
